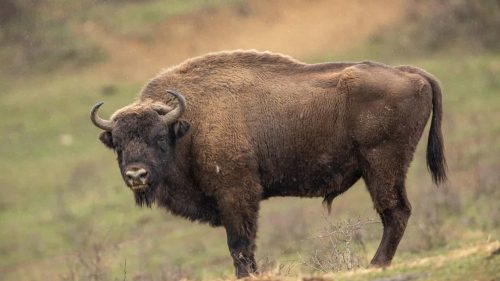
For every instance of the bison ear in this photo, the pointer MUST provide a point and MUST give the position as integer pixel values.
(106, 139)
(180, 128)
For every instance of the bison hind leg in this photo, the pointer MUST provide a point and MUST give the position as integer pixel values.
(384, 177)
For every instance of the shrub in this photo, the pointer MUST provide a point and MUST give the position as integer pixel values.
(339, 247)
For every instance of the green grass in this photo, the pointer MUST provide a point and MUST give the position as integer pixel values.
(62, 194)
(137, 19)
(54, 34)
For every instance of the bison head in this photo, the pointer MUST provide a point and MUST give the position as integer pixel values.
(143, 135)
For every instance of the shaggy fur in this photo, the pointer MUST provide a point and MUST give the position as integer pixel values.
(260, 125)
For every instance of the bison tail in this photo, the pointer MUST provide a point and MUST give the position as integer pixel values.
(436, 161)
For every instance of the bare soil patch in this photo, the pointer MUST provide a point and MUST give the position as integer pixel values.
(300, 28)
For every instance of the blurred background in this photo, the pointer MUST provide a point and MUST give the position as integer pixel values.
(66, 215)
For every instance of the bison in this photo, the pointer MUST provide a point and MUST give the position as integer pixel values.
(210, 138)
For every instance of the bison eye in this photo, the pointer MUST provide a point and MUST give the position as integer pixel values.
(118, 149)
(162, 143)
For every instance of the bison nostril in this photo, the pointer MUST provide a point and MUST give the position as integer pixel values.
(143, 174)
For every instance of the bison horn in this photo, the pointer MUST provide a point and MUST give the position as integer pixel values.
(176, 113)
(106, 125)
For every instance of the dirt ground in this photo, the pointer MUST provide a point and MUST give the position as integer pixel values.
(299, 28)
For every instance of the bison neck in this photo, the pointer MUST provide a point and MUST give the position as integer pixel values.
(180, 195)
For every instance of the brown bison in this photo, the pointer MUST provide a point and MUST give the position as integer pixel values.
(210, 138)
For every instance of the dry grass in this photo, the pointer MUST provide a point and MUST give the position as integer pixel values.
(288, 27)
(420, 268)
(89, 263)
(338, 247)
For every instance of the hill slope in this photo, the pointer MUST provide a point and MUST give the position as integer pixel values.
(65, 213)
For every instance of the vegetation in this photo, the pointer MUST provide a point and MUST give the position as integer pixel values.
(48, 34)
(65, 214)
(444, 25)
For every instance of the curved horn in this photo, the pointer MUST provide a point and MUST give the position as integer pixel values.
(176, 113)
(106, 125)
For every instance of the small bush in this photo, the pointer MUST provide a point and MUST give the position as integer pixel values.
(339, 247)
(88, 264)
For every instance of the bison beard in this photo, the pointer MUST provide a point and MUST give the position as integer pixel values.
(145, 197)
(264, 125)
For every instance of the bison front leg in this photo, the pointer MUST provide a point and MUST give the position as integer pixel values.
(238, 201)
(240, 220)
(229, 172)
(241, 245)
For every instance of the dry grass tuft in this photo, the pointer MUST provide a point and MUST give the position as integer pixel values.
(338, 247)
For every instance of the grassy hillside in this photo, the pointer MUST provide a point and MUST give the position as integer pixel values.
(45, 35)
(65, 213)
